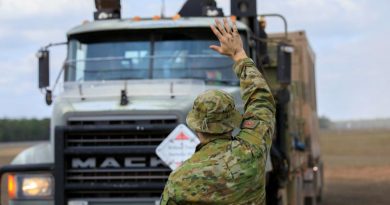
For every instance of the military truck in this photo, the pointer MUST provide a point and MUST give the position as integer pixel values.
(127, 83)
(295, 154)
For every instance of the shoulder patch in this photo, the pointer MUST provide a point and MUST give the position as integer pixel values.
(250, 124)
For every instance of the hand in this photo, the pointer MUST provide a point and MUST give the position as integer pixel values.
(230, 40)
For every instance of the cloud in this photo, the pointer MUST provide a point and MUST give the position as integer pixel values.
(350, 47)
(323, 18)
(4, 32)
(18, 89)
(351, 78)
(17, 74)
(21, 9)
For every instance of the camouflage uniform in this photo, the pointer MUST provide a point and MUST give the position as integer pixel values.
(226, 169)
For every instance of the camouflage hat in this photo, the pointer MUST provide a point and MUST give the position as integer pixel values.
(214, 113)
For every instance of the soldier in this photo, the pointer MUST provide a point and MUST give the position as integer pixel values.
(263, 44)
(226, 169)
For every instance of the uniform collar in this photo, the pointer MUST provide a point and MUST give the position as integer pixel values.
(209, 139)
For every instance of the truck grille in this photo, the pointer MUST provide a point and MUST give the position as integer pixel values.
(124, 120)
(113, 157)
(117, 139)
(117, 175)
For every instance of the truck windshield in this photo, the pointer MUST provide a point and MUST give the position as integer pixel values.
(155, 57)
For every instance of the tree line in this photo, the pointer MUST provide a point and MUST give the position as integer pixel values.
(325, 123)
(14, 130)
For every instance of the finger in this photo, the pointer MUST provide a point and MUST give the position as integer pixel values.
(216, 48)
(235, 30)
(220, 27)
(216, 32)
(227, 26)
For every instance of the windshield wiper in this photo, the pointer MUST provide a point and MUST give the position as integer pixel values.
(217, 81)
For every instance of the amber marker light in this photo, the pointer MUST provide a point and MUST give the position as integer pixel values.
(176, 17)
(156, 18)
(233, 18)
(11, 187)
(136, 18)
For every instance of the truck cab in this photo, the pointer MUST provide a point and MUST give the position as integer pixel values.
(126, 85)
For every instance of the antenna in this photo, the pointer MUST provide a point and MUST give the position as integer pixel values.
(162, 8)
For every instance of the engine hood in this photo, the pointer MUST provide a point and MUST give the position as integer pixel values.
(143, 96)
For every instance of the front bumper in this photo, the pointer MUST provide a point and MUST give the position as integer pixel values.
(141, 201)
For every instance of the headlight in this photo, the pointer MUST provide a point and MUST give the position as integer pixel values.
(30, 186)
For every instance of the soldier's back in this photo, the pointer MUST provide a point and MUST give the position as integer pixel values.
(223, 171)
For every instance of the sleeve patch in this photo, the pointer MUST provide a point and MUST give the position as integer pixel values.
(250, 124)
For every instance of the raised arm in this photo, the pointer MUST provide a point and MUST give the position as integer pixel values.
(259, 117)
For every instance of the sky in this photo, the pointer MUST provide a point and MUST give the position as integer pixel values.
(350, 39)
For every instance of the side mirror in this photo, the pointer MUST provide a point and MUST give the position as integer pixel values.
(43, 66)
(284, 63)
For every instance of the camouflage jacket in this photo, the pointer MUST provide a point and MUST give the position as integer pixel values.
(225, 169)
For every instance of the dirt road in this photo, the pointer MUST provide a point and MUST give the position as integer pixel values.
(357, 167)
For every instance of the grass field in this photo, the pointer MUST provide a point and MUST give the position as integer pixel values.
(357, 166)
